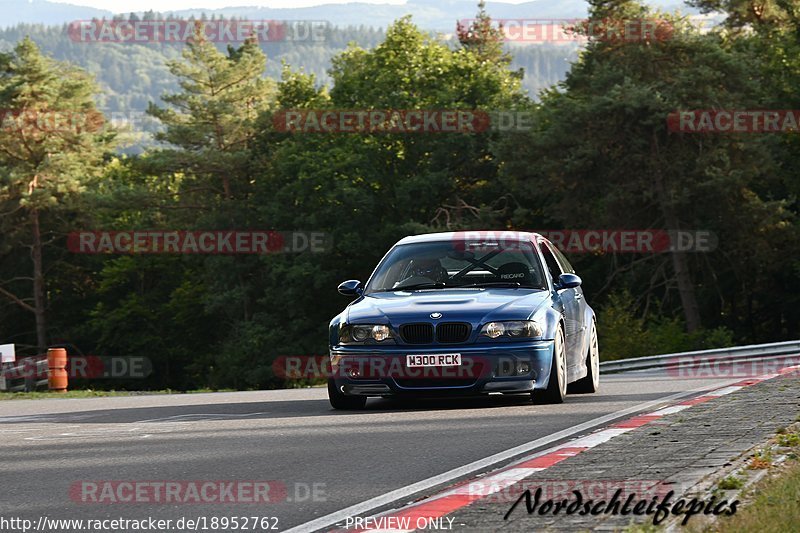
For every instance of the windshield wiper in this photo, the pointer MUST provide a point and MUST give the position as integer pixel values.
(415, 286)
(494, 284)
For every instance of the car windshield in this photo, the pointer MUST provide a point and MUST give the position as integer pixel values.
(448, 264)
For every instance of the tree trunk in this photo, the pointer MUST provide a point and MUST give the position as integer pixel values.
(680, 262)
(691, 310)
(39, 302)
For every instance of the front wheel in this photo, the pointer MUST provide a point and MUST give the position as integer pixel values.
(557, 384)
(591, 382)
(340, 401)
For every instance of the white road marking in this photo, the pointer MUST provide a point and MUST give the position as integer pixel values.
(482, 464)
(198, 417)
(141, 429)
(115, 431)
(669, 410)
(604, 435)
(494, 483)
(724, 391)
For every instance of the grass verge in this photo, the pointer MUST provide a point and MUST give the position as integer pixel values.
(772, 504)
(775, 506)
(94, 394)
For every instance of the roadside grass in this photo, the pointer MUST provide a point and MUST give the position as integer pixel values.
(731, 483)
(775, 505)
(789, 440)
(88, 393)
(761, 460)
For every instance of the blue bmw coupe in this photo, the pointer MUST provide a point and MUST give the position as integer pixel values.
(465, 313)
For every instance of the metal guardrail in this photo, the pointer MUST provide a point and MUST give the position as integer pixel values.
(737, 353)
(22, 375)
(19, 376)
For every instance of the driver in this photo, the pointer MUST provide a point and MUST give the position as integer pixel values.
(429, 268)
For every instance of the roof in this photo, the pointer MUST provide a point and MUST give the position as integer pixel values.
(471, 235)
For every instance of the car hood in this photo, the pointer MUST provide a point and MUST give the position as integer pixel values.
(460, 305)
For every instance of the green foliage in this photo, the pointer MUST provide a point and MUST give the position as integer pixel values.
(624, 334)
(134, 75)
(601, 142)
(788, 440)
(600, 155)
(730, 483)
(52, 144)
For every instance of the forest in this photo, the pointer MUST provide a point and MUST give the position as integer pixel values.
(600, 154)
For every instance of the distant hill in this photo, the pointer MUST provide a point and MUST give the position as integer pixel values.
(428, 14)
(132, 75)
(12, 12)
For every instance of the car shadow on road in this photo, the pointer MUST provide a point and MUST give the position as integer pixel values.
(256, 410)
(303, 408)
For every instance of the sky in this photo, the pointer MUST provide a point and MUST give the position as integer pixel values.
(171, 5)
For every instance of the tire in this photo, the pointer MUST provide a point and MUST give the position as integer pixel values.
(340, 401)
(591, 382)
(557, 384)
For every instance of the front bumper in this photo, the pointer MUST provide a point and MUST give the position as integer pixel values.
(507, 367)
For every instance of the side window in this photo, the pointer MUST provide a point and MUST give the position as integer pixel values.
(550, 262)
(565, 265)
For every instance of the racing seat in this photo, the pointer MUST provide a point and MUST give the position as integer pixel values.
(519, 273)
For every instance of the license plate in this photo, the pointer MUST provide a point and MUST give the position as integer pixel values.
(444, 359)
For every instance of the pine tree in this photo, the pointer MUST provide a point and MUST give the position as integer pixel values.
(212, 120)
(52, 139)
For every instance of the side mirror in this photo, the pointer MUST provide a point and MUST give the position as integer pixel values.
(351, 288)
(568, 281)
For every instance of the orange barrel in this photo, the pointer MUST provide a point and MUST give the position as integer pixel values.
(57, 369)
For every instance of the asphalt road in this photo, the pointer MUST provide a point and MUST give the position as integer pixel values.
(325, 460)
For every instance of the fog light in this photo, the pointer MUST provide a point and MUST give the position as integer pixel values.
(523, 367)
(354, 373)
(505, 367)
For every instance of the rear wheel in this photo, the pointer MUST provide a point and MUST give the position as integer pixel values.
(557, 384)
(591, 382)
(340, 401)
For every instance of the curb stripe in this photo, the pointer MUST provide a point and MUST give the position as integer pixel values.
(465, 493)
(638, 421)
(670, 410)
(549, 459)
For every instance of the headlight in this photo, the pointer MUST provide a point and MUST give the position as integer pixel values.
(515, 329)
(381, 333)
(494, 329)
(361, 333)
